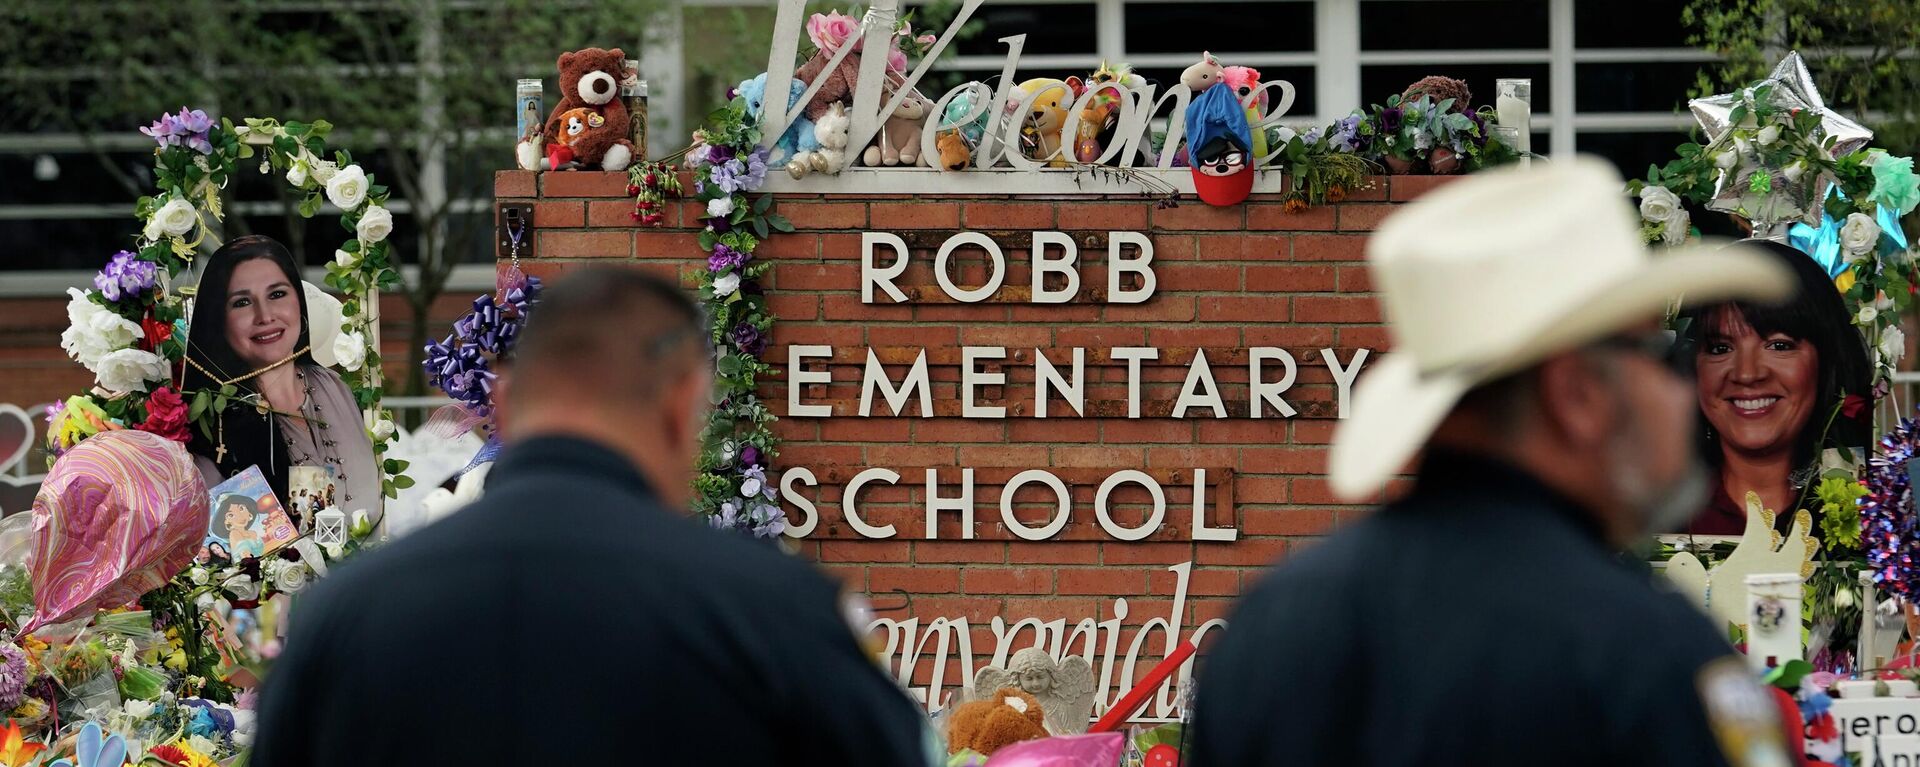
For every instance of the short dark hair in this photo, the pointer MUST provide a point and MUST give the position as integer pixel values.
(618, 332)
(1817, 315)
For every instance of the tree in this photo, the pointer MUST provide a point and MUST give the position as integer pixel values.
(1862, 53)
(421, 92)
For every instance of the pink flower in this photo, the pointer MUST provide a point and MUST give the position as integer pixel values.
(831, 30)
(896, 61)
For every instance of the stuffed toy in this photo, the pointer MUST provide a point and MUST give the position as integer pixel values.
(1244, 81)
(574, 124)
(590, 80)
(898, 142)
(830, 132)
(1101, 116)
(799, 137)
(1041, 126)
(1010, 716)
(956, 140)
(842, 81)
(1218, 142)
(1203, 75)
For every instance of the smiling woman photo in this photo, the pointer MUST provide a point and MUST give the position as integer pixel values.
(1773, 383)
(249, 328)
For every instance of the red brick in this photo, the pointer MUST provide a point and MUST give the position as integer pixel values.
(1133, 431)
(1374, 190)
(1034, 214)
(920, 579)
(915, 215)
(1246, 552)
(586, 245)
(977, 610)
(854, 577)
(514, 183)
(1053, 553)
(606, 214)
(970, 552)
(1244, 308)
(1051, 608)
(793, 245)
(842, 277)
(857, 429)
(1301, 521)
(1194, 215)
(1201, 335)
(1102, 580)
(1200, 582)
(1356, 279)
(1118, 216)
(1196, 278)
(583, 183)
(663, 243)
(1148, 553)
(863, 551)
(1409, 188)
(1105, 457)
(827, 215)
(1240, 246)
(1329, 247)
(951, 430)
(1364, 216)
(1273, 217)
(1354, 309)
(1293, 279)
(1062, 427)
(1007, 580)
(1161, 308)
(1284, 460)
(1378, 339)
(561, 214)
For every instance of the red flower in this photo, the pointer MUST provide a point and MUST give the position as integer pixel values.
(1823, 727)
(156, 332)
(166, 415)
(1853, 406)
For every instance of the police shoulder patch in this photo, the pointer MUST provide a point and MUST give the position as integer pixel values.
(1744, 718)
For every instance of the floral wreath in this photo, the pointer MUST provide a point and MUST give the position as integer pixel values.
(131, 329)
(1779, 159)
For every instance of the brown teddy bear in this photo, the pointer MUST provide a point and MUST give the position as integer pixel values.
(841, 81)
(1010, 716)
(590, 80)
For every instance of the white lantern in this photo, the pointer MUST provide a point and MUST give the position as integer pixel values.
(330, 527)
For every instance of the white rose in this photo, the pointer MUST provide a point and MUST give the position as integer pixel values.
(198, 575)
(1859, 234)
(1893, 345)
(292, 579)
(129, 370)
(112, 329)
(1768, 136)
(725, 285)
(382, 430)
(375, 224)
(242, 587)
(204, 602)
(1726, 160)
(323, 170)
(176, 217)
(348, 188)
(1867, 315)
(1675, 228)
(297, 175)
(718, 207)
(362, 525)
(350, 348)
(1657, 204)
(750, 488)
(346, 260)
(336, 551)
(1794, 171)
(1843, 598)
(152, 230)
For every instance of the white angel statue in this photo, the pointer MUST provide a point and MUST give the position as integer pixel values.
(1064, 689)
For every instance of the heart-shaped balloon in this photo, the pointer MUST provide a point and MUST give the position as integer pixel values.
(116, 517)
(1100, 749)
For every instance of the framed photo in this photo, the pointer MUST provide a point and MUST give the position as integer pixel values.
(245, 519)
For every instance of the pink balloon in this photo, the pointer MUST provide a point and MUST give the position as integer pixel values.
(1101, 749)
(116, 517)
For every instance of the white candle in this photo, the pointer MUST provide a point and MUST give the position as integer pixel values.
(1512, 112)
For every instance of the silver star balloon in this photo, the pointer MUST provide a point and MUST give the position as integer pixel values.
(1751, 188)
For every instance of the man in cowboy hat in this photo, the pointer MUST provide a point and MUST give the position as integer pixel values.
(1486, 618)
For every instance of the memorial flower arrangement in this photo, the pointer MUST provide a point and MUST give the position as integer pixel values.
(1778, 160)
(1411, 134)
(732, 489)
(130, 330)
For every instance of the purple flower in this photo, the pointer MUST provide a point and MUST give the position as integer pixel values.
(163, 130)
(126, 276)
(725, 258)
(719, 154)
(750, 340)
(750, 456)
(720, 225)
(1480, 129)
(1391, 119)
(54, 410)
(188, 128)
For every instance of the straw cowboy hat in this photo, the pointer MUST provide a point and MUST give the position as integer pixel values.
(1491, 274)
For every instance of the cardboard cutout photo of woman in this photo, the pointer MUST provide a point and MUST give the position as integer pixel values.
(1783, 390)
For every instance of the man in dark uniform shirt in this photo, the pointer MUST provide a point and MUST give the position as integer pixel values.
(573, 615)
(1486, 619)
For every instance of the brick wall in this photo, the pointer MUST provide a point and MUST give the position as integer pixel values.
(1228, 279)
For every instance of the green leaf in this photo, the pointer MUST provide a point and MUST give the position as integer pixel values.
(761, 205)
(310, 206)
(760, 227)
(294, 128)
(403, 481)
(200, 403)
(779, 223)
(708, 239)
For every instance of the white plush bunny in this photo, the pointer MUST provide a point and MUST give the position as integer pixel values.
(831, 131)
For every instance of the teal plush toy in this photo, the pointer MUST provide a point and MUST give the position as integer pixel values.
(799, 136)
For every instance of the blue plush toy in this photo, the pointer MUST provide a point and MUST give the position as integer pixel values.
(799, 136)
